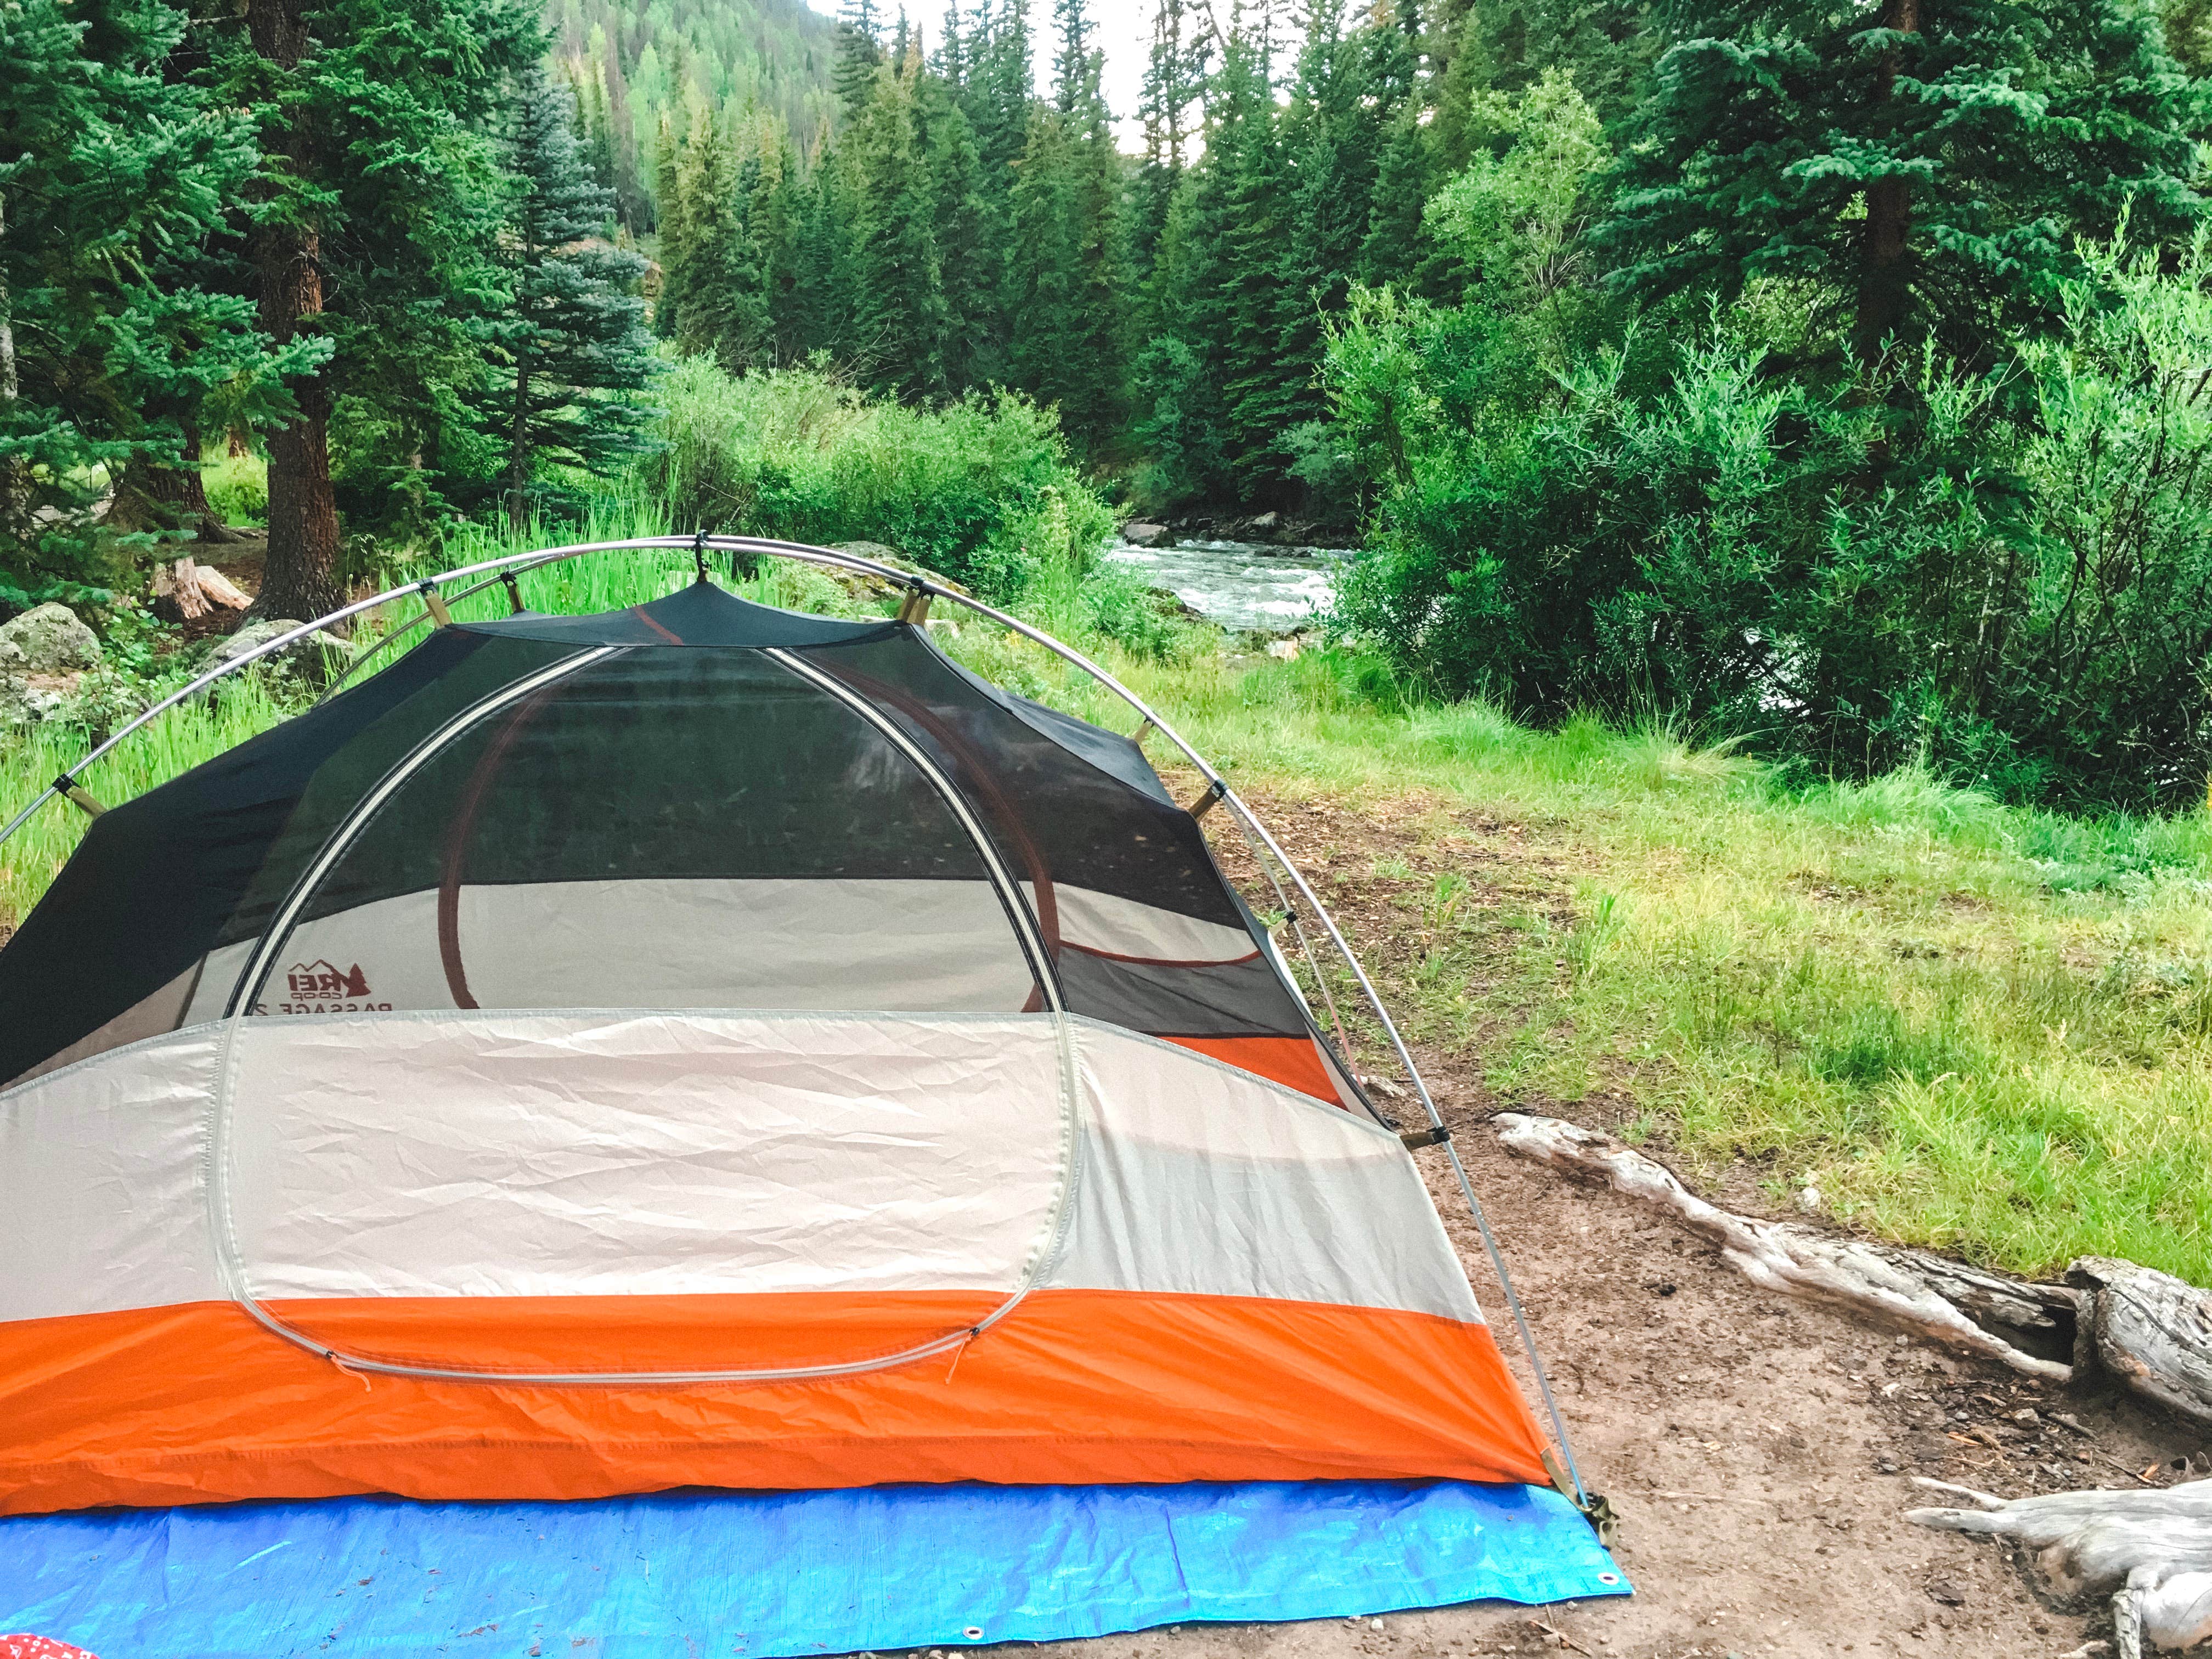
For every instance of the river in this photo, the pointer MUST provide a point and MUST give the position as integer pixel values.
(1241, 585)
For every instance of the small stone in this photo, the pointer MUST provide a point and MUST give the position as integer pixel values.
(53, 640)
(2026, 1417)
(1943, 1590)
(1375, 1624)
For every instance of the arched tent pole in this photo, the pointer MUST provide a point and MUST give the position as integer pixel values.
(1230, 797)
(800, 552)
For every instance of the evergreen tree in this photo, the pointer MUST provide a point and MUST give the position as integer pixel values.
(900, 312)
(1391, 246)
(775, 214)
(1607, 47)
(1252, 299)
(1174, 72)
(577, 340)
(722, 295)
(113, 178)
(968, 264)
(1924, 169)
(860, 51)
(1329, 143)
(374, 227)
(675, 230)
(1067, 312)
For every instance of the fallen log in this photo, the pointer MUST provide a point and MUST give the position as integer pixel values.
(2152, 1331)
(186, 590)
(2031, 1327)
(2152, 1551)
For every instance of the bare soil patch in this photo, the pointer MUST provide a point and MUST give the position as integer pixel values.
(1758, 1451)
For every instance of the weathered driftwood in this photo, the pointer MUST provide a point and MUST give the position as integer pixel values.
(2151, 1331)
(186, 590)
(2031, 1327)
(2152, 1551)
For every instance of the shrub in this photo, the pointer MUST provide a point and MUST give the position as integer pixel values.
(2004, 577)
(794, 453)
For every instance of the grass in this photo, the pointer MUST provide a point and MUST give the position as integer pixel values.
(1968, 1025)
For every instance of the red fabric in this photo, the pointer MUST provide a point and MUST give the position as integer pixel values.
(198, 1403)
(39, 1647)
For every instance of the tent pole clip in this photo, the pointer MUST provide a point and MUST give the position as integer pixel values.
(434, 603)
(1206, 802)
(914, 609)
(513, 592)
(77, 795)
(1434, 1135)
(699, 551)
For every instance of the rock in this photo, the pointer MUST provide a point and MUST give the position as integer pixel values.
(305, 654)
(881, 553)
(52, 640)
(1264, 524)
(1139, 533)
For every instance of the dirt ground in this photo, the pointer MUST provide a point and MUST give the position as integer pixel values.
(1758, 1451)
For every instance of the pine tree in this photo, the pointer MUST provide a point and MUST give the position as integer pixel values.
(374, 229)
(577, 341)
(1175, 71)
(859, 52)
(117, 178)
(722, 297)
(900, 312)
(1252, 300)
(1330, 142)
(1924, 169)
(967, 259)
(675, 230)
(1607, 47)
(1391, 246)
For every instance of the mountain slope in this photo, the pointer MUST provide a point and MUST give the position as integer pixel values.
(632, 61)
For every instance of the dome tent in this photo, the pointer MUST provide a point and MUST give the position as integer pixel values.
(699, 1045)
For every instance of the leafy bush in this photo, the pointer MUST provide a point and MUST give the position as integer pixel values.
(2005, 577)
(795, 454)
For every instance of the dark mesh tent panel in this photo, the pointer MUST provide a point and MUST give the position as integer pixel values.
(1073, 806)
(676, 816)
(658, 827)
(159, 881)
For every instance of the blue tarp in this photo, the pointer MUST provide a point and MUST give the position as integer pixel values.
(685, 1574)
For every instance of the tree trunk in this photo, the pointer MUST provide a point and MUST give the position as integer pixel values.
(300, 579)
(14, 496)
(1882, 265)
(169, 498)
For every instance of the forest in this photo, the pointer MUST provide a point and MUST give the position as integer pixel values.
(1829, 381)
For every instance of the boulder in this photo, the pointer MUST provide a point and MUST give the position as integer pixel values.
(1139, 533)
(28, 697)
(306, 653)
(52, 640)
